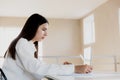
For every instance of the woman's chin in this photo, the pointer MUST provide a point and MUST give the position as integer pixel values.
(41, 39)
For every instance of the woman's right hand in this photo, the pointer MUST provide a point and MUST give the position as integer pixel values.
(83, 69)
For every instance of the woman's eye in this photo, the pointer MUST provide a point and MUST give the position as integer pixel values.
(43, 29)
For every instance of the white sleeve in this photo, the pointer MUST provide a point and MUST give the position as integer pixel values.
(33, 65)
(61, 69)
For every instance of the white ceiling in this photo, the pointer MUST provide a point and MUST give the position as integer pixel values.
(70, 9)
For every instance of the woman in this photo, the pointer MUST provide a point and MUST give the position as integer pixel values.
(21, 61)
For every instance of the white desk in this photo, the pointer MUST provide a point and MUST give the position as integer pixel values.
(92, 76)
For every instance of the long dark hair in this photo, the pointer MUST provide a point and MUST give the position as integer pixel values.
(28, 32)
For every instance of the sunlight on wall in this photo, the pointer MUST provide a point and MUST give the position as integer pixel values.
(119, 19)
(87, 55)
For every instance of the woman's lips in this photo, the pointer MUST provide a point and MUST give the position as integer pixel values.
(43, 37)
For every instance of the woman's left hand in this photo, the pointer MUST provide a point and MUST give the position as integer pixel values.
(67, 63)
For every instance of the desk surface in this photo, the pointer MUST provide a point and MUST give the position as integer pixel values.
(92, 76)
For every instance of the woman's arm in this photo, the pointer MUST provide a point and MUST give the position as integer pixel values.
(33, 65)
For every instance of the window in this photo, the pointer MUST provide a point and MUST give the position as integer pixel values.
(7, 34)
(88, 29)
(89, 37)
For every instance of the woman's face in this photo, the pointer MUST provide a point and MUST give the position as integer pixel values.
(41, 32)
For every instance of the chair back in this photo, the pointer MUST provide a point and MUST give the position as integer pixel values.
(2, 75)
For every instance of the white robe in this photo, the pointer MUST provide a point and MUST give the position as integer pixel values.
(26, 67)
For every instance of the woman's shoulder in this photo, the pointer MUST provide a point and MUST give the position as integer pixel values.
(24, 43)
(22, 40)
